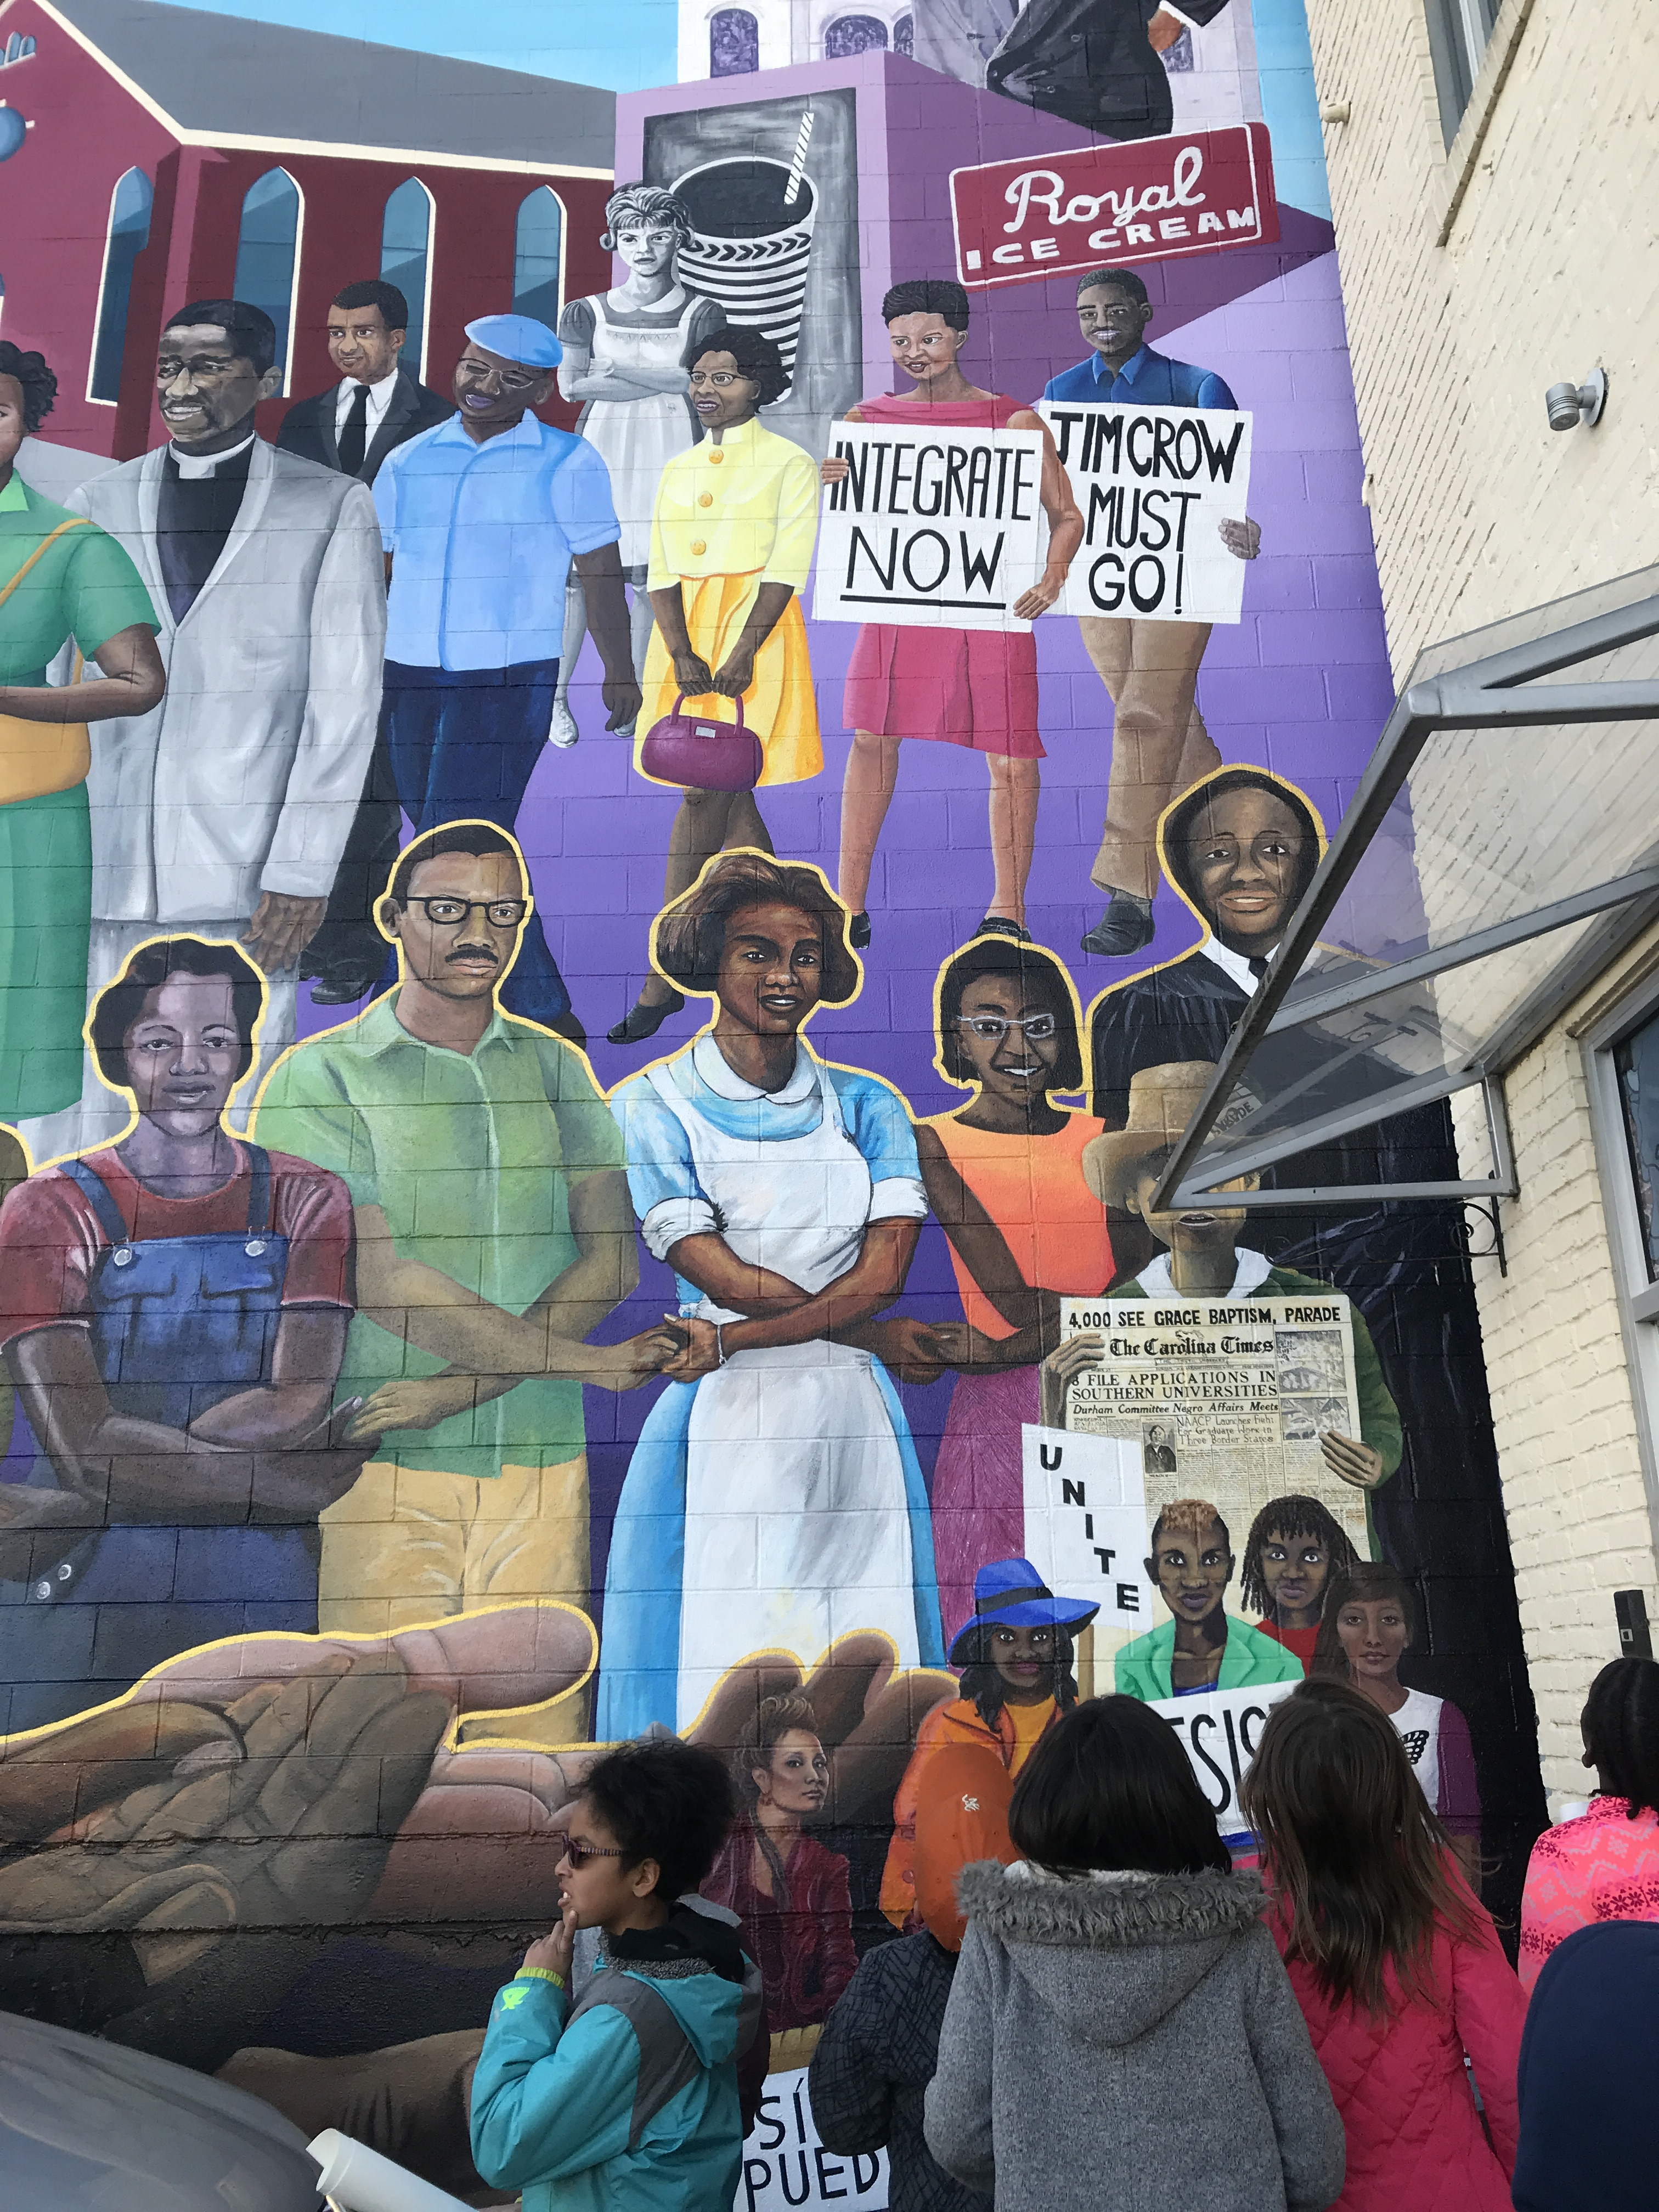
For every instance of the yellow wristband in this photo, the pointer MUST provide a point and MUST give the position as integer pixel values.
(540, 1974)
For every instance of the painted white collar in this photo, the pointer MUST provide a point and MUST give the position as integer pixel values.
(1253, 1270)
(193, 466)
(710, 1063)
(1234, 964)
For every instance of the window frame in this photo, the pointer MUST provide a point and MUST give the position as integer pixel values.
(423, 320)
(1638, 1297)
(281, 168)
(132, 169)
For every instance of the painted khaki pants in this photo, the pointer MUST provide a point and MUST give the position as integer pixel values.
(1160, 746)
(408, 1544)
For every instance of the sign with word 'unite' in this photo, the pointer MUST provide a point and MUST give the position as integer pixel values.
(1085, 1520)
(1154, 199)
(940, 530)
(1154, 485)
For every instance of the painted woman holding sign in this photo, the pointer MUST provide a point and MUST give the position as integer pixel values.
(731, 544)
(972, 688)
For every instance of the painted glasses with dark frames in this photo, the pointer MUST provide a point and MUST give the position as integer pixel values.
(506, 913)
(580, 1854)
(992, 1027)
(721, 377)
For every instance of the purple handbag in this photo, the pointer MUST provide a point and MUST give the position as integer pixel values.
(705, 755)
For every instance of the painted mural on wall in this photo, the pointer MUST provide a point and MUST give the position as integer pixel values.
(582, 1093)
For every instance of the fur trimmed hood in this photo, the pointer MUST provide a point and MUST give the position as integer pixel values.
(1110, 1954)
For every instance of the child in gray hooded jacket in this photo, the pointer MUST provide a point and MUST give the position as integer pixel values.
(1121, 2034)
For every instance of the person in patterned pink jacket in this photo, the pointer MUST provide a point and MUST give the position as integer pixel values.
(1605, 1865)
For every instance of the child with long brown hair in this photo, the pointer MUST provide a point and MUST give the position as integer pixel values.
(1397, 1967)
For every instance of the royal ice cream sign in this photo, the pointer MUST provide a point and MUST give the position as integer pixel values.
(1154, 199)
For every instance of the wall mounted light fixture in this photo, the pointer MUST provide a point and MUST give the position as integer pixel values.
(1568, 404)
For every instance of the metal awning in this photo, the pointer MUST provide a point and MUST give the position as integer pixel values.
(1501, 848)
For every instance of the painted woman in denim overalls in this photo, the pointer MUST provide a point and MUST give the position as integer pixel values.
(174, 1313)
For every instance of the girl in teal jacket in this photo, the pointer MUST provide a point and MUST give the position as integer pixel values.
(626, 2099)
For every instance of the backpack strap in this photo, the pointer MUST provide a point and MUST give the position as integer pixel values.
(668, 2062)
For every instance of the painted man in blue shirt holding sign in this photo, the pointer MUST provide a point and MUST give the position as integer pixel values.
(1160, 746)
(482, 519)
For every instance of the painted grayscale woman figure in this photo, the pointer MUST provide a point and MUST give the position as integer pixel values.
(624, 358)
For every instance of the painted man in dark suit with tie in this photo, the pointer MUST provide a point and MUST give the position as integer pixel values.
(352, 427)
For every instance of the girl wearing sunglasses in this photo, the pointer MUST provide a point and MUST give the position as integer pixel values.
(1004, 1175)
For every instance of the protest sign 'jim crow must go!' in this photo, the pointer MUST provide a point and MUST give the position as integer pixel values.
(1154, 484)
(938, 532)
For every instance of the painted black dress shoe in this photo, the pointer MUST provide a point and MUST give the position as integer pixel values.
(1126, 927)
(858, 931)
(997, 925)
(641, 1021)
(343, 987)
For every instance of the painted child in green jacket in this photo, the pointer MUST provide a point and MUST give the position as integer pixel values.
(627, 2100)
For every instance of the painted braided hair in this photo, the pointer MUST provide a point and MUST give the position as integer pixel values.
(985, 1688)
(1293, 1516)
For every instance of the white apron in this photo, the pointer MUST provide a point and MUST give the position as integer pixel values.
(797, 1524)
(638, 437)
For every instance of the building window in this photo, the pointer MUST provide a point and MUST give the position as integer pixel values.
(733, 43)
(405, 260)
(129, 234)
(1621, 1067)
(268, 254)
(536, 252)
(853, 34)
(18, 49)
(1459, 33)
(904, 35)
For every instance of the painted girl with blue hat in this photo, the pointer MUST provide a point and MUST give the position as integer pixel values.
(1015, 1656)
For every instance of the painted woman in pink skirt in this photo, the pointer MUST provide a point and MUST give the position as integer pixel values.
(973, 687)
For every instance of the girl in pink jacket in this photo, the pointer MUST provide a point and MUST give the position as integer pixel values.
(1397, 1968)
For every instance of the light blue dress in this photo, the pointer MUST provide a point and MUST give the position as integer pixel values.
(778, 1504)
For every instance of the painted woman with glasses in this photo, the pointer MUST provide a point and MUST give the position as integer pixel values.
(731, 540)
(1004, 1175)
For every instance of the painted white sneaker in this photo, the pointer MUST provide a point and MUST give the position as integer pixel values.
(562, 731)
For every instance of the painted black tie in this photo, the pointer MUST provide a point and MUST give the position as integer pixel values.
(354, 436)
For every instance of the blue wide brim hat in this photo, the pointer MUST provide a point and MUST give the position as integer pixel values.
(1011, 1594)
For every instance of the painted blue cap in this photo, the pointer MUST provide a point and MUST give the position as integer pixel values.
(518, 338)
(1011, 1594)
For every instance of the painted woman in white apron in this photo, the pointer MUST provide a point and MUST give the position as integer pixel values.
(624, 358)
(774, 1501)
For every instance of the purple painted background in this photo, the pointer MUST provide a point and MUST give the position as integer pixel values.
(1301, 685)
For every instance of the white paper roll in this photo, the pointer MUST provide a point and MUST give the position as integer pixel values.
(359, 2181)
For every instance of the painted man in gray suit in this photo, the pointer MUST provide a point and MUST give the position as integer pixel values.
(223, 812)
(353, 425)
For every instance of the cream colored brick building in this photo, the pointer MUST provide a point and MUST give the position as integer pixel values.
(1474, 275)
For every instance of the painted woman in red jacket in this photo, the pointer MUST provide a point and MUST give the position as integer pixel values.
(792, 1895)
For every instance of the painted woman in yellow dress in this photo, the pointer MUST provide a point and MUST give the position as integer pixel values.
(732, 540)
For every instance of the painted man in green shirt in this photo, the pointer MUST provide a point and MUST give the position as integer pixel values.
(61, 577)
(494, 1232)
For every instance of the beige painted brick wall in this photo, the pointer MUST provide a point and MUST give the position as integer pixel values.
(1471, 281)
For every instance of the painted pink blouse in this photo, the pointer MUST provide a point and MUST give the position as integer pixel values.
(1604, 1866)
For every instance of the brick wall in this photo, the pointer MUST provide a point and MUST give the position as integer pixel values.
(1472, 278)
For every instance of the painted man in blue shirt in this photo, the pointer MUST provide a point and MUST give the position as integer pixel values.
(1160, 746)
(482, 519)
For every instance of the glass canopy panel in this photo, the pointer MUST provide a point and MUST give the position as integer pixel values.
(1506, 858)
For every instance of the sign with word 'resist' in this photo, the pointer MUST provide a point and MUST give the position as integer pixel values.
(1154, 199)
(1219, 1731)
(785, 2165)
(931, 530)
(1154, 485)
(1085, 1520)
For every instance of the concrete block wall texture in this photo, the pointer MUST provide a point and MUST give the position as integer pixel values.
(1472, 277)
